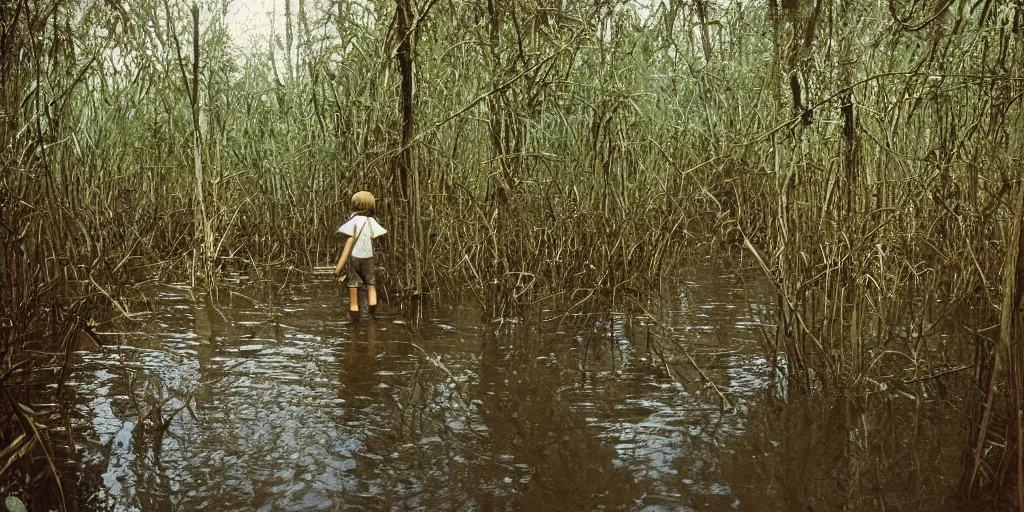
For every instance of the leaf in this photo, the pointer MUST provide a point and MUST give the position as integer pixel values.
(13, 447)
(15, 505)
(16, 451)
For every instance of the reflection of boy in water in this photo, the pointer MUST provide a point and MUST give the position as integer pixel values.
(361, 228)
(360, 370)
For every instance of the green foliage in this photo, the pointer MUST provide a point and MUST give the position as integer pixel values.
(868, 151)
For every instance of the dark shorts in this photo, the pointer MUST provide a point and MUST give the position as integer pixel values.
(360, 272)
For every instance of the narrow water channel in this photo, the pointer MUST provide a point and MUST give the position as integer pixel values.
(292, 407)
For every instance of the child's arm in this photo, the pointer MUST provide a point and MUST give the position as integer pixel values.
(344, 255)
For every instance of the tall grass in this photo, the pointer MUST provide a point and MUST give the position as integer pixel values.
(867, 154)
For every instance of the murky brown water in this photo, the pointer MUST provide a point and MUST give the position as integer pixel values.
(293, 408)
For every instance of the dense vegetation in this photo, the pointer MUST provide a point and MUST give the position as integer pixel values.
(866, 154)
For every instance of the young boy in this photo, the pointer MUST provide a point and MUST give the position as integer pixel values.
(361, 228)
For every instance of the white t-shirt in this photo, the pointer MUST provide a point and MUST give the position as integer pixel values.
(362, 248)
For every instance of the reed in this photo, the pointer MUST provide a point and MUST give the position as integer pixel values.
(527, 152)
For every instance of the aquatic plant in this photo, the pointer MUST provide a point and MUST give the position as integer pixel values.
(866, 156)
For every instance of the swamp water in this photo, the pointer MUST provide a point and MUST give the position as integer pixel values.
(292, 407)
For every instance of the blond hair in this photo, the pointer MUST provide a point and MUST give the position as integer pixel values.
(362, 200)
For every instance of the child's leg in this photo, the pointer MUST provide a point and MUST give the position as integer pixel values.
(371, 283)
(353, 299)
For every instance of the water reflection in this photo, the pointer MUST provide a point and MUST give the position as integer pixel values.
(551, 459)
(268, 400)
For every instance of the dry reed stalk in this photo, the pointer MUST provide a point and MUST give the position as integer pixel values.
(1008, 351)
(575, 152)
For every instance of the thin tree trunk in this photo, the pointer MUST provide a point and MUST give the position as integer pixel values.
(301, 49)
(405, 167)
(1010, 337)
(203, 223)
(288, 34)
(705, 38)
(851, 144)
